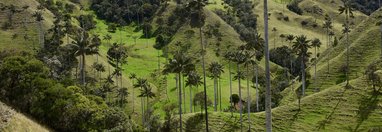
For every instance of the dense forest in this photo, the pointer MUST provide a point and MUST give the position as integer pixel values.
(192, 65)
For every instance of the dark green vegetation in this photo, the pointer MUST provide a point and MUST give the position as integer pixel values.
(192, 65)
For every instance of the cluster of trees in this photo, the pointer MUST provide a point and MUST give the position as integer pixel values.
(44, 86)
(27, 85)
(241, 17)
(125, 12)
(367, 7)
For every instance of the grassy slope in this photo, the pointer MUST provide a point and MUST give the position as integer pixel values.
(363, 40)
(17, 122)
(333, 109)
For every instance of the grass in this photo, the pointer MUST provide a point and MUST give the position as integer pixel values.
(323, 111)
(333, 109)
(12, 121)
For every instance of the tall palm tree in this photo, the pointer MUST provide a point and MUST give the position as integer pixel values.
(248, 62)
(179, 64)
(107, 37)
(117, 55)
(240, 58)
(268, 113)
(347, 9)
(132, 77)
(121, 94)
(146, 92)
(99, 68)
(290, 38)
(301, 47)
(328, 26)
(316, 43)
(193, 80)
(141, 83)
(215, 70)
(230, 56)
(197, 21)
(82, 46)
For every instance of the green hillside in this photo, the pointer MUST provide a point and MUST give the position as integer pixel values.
(332, 108)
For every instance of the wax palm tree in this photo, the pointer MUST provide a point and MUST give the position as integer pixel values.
(141, 83)
(328, 26)
(82, 46)
(301, 46)
(117, 55)
(268, 109)
(230, 56)
(99, 68)
(197, 21)
(107, 37)
(215, 70)
(132, 77)
(347, 9)
(316, 43)
(179, 64)
(248, 62)
(146, 92)
(121, 94)
(240, 58)
(193, 80)
(290, 38)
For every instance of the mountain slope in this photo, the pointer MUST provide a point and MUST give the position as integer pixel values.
(12, 121)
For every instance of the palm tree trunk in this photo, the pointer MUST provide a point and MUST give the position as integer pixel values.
(204, 78)
(184, 95)
(121, 88)
(116, 73)
(220, 95)
(180, 103)
(347, 51)
(83, 70)
(190, 99)
(215, 96)
(248, 101)
(303, 75)
(159, 60)
(240, 100)
(142, 110)
(147, 109)
(133, 96)
(315, 69)
(268, 113)
(257, 87)
(78, 65)
(230, 86)
(328, 37)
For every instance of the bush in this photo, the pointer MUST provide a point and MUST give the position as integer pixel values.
(293, 6)
(304, 23)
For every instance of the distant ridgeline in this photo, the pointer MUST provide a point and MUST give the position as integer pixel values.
(125, 12)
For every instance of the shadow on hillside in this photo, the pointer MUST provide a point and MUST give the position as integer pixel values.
(322, 123)
(367, 104)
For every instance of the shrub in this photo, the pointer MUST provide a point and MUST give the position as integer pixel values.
(293, 6)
